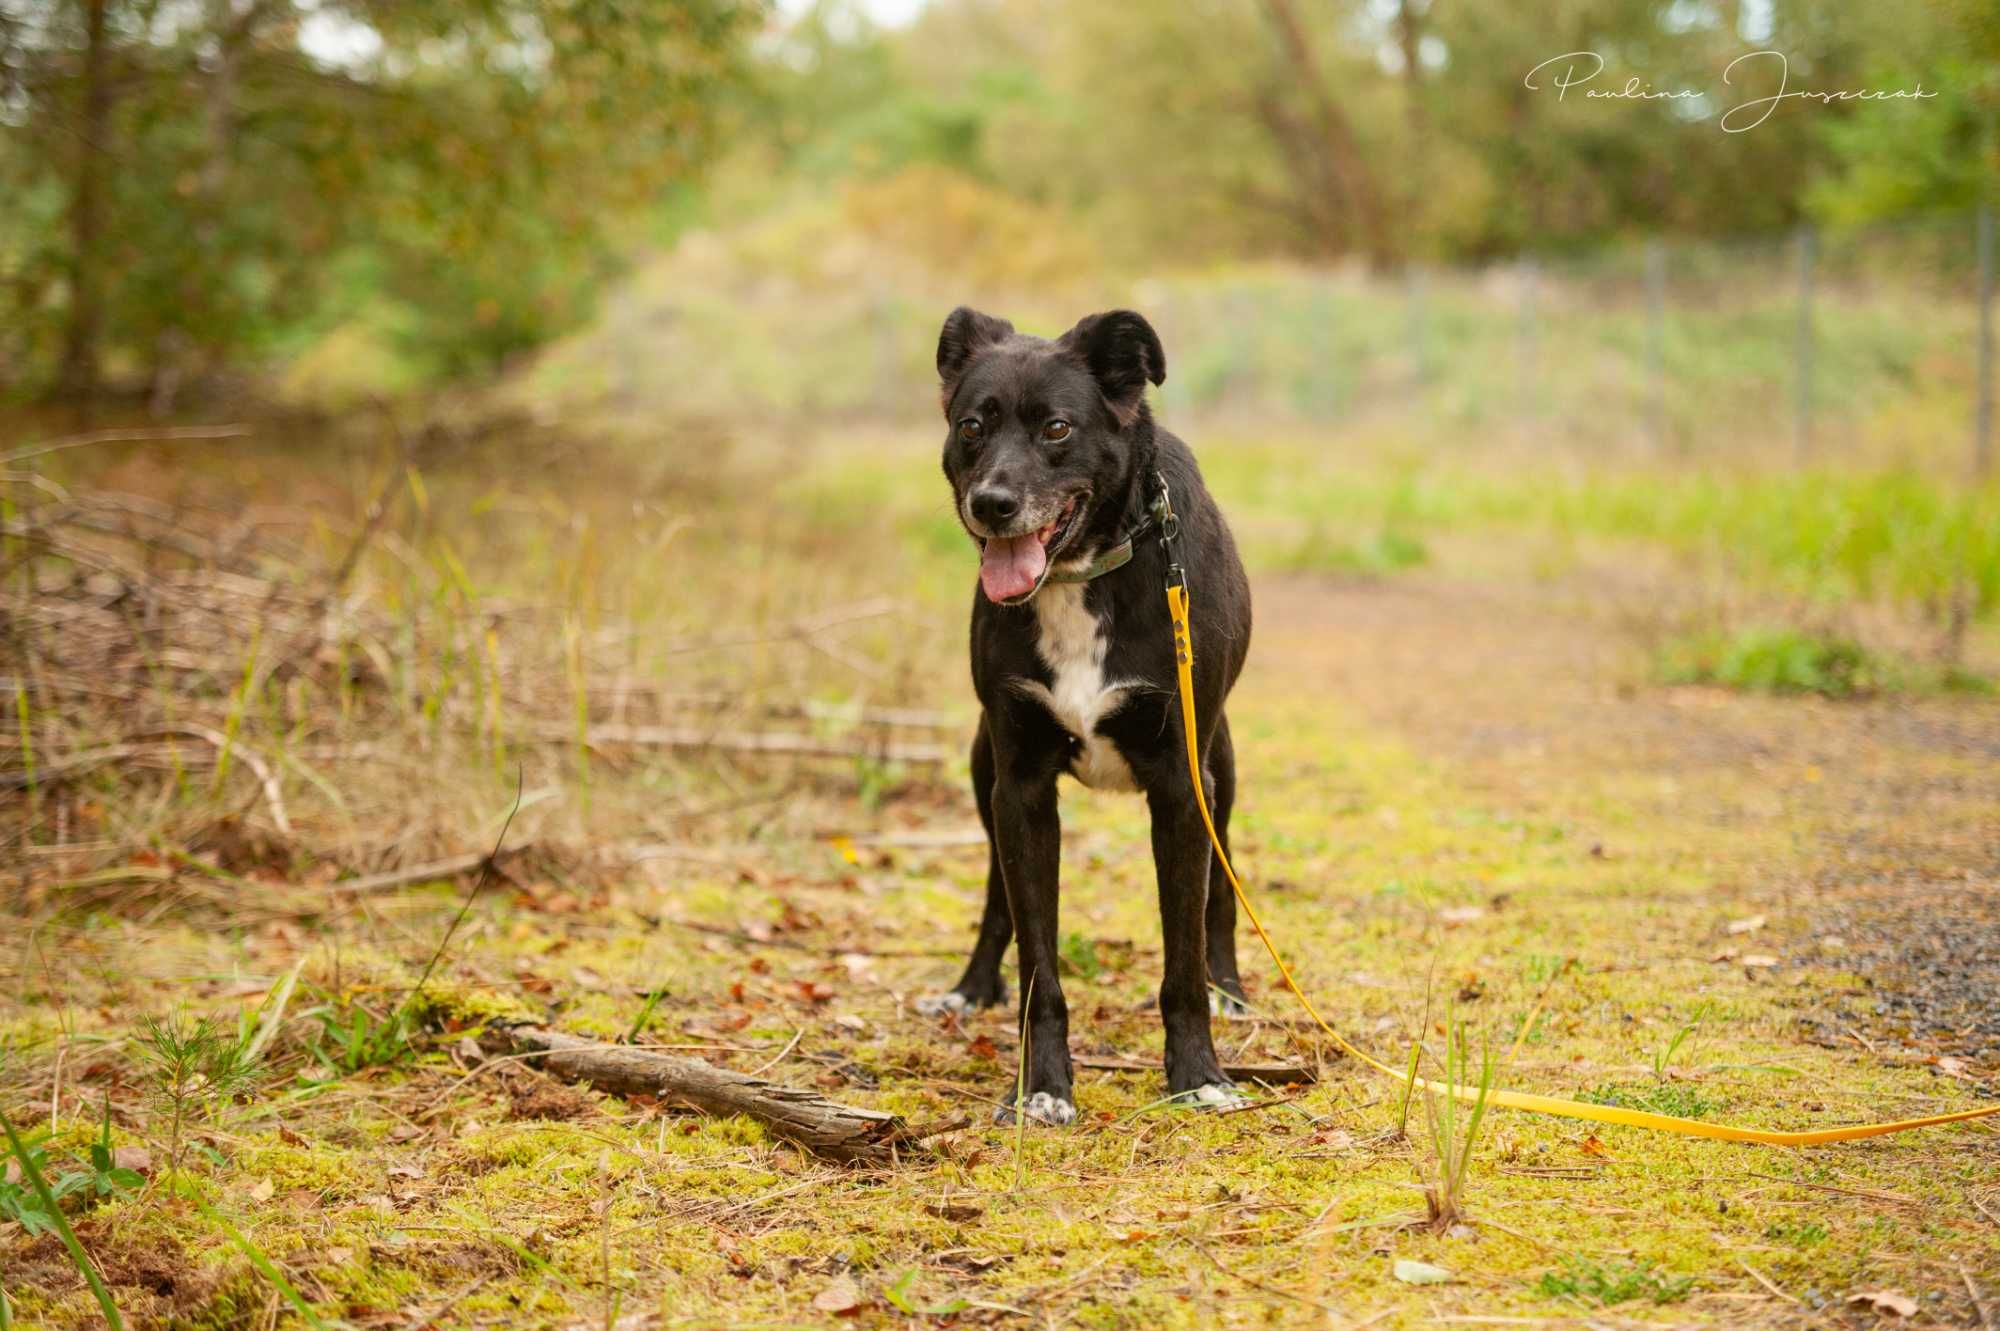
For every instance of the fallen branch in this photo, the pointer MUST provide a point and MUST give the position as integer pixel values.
(1271, 1074)
(94, 438)
(435, 871)
(807, 1118)
(682, 737)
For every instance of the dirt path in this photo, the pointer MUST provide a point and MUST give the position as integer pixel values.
(1532, 694)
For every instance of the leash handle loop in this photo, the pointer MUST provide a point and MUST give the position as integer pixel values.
(1177, 609)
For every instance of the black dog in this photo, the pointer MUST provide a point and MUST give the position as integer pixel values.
(1058, 472)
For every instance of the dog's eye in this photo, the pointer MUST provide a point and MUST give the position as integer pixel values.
(970, 429)
(1056, 431)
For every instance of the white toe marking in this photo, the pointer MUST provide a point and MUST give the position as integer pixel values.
(1226, 1005)
(1215, 1095)
(1041, 1108)
(950, 1001)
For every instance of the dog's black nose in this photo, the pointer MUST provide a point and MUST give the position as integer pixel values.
(994, 506)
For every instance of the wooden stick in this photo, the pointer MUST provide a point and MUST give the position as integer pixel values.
(415, 873)
(123, 436)
(837, 1131)
(1274, 1074)
(686, 737)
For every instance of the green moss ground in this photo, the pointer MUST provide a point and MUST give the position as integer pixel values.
(1453, 792)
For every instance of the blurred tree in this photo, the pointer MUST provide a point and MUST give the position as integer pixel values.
(1392, 128)
(1897, 157)
(193, 183)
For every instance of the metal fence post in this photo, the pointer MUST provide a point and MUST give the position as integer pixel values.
(1808, 245)
(1527, 338)
(1419, 350)
(1656, 319)
(1982, 424)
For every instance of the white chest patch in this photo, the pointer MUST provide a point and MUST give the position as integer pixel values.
(1072, 646)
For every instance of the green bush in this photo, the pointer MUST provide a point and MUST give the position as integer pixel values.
(1776, 660)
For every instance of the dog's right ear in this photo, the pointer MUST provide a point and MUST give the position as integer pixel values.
(966, 333)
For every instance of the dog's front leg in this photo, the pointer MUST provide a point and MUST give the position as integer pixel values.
(1028, 832)
(1181, 857)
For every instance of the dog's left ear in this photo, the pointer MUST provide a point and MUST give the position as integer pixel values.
(1123, 354)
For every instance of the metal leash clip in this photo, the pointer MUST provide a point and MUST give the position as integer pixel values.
(1170, 534)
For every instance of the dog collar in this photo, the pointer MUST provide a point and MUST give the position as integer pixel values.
(1119, 555)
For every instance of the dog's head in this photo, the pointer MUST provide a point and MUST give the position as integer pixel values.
(1042, 435)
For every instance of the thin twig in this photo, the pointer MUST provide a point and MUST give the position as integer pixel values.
(485, 873)
(251, 759)
(790, 1045)
(750, 741)
(1765, 1281)
(95, 437)
(1258, 1285)
(1978, 1304)
(416, 873)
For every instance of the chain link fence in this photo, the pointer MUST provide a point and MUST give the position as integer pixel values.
(1868, 344)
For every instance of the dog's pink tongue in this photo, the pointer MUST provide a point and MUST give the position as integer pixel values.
(1012, 566)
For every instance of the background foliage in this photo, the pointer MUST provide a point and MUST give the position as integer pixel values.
(366, 195)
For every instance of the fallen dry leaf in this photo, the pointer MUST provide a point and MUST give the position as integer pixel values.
(1886, 1301)
(840, 1298)
(954, 1210)
(981, 1047)
(263, 1191)
(1592, 1146)
(135, 1158)
(1749, 926)
(1453, 916)
(1761, 960)
(1419, 1273)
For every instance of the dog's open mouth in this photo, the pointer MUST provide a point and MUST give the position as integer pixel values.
(1011, 568)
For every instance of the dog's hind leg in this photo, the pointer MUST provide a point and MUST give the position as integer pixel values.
(981, 985)
(1225, 992)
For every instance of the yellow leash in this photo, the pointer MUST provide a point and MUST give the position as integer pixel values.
(1177, 607)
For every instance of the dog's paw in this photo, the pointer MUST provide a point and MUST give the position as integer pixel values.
(949, 1003)
(1226, 1005)
(1054, 1111)
(1215, 1095)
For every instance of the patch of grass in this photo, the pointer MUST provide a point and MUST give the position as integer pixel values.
(1454, 1128)
(1666, 1098)
(1776, 660)
(1663, 1057)
(1601, 1284)
(352, 1037)
(32, 1172)
(1798, 1233)
(104, 1176)
(1078, 956)
(266, 1268)
(1392, 549)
